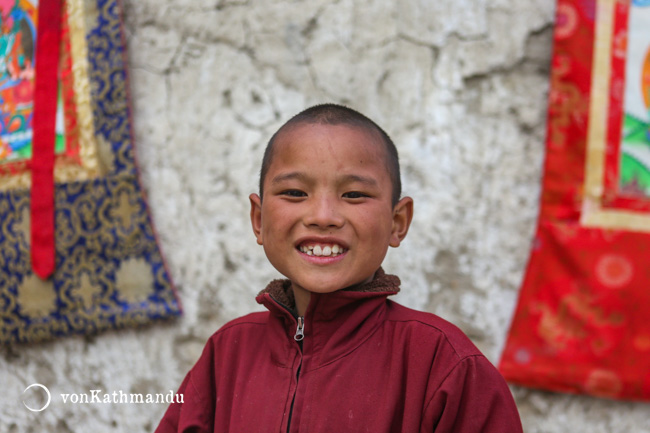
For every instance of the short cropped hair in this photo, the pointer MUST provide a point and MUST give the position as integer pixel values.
(333, 114)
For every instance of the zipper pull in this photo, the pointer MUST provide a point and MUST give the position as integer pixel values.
(300, 330)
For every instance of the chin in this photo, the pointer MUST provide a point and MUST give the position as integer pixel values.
(318, 286)
(321, 288)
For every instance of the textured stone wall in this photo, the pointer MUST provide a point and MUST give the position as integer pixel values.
(460, 85)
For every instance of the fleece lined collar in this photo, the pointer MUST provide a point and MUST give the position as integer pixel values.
(335, 324)
(280, 290)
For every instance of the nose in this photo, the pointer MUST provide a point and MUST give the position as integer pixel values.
(324, 213)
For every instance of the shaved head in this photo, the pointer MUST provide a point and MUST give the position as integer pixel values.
(333, 114)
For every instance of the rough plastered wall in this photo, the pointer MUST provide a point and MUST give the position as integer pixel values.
(460, 85)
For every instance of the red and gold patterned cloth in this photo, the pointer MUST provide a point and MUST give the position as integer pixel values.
(581, 323)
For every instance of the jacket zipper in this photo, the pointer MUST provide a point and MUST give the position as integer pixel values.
(300, 330)
(299, 336)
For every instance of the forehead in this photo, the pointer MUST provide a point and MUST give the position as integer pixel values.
(343, 146)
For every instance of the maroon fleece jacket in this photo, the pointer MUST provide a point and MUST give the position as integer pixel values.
(366, 364)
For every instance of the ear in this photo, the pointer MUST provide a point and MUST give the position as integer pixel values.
(402, 216)
(256, 216)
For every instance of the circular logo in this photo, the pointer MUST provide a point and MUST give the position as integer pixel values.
(47, 391)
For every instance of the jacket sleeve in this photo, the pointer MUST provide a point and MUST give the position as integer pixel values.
(195, 412)
(473, 398)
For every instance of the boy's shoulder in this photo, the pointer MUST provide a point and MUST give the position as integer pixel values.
(237, 334)
(430, 327)
(258, 318)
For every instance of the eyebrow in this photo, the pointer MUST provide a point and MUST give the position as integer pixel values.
(289, 176)
(348, 178)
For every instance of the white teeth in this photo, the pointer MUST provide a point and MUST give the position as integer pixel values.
(322, 251)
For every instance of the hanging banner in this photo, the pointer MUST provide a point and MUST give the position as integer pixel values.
(80, 256)
(581, 323)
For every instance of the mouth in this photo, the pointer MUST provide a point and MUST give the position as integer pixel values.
(321, 249)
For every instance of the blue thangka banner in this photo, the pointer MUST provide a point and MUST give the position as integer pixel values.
(109, 269)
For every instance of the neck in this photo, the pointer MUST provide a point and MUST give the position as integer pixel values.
(293, 296)
(302, 295)
(302, 298)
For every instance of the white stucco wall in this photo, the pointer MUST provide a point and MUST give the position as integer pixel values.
(461, 87)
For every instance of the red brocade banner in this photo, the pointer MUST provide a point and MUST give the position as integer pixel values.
(581, 323)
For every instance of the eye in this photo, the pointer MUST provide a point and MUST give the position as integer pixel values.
(354, 195)
(294, 193)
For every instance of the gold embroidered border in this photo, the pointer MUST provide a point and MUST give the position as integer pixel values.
(593, 213)
(82, 96)
(68, 169)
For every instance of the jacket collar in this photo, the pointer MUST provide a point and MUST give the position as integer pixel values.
(335, 323)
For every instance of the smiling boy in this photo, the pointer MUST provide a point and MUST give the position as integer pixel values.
(333, 354)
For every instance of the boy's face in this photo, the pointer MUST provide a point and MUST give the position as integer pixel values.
(327, 190)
